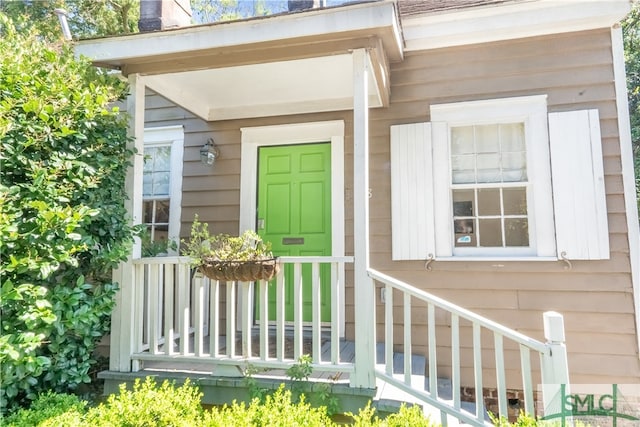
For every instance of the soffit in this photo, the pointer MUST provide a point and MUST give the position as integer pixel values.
(287, 64)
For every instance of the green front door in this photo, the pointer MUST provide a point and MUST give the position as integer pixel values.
(294, 214)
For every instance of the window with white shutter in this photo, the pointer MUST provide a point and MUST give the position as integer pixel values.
(476, 183)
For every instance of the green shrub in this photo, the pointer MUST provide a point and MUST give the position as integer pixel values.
(149, 405)
(48, 409)
(407, 416)
(63, 225)
(277, 410)
(167, 405)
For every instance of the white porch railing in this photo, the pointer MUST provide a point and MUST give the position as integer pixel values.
(178, 317)
(552, 355)
(183, 318)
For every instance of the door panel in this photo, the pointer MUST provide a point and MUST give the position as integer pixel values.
(294, 212)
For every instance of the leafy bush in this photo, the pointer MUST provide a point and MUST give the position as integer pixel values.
(406, 416)
(48, 409)
(63, 223)
(276, 410)
(151, 405)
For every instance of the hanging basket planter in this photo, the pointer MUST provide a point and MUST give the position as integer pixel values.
(243, 271)
(245, 258)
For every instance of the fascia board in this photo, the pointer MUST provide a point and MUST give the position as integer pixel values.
(510, 21)
(365, 17)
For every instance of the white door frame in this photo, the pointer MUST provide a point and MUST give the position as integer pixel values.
(288, 134)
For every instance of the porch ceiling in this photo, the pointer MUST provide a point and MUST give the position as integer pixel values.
(285, 64)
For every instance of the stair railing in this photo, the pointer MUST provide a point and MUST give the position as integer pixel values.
(466, 339)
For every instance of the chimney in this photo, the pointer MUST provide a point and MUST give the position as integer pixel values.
(156, 15)
(294, 5)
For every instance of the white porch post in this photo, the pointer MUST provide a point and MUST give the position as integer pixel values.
(364, 375)
(123, 317)
(554, 364)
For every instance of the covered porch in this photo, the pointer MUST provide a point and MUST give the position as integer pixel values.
(171, 322)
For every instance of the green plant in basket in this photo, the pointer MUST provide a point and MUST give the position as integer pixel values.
(224, 257)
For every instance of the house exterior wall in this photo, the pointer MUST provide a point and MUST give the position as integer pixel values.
(595, 297)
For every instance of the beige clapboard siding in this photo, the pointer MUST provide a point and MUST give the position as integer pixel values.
(595, 296)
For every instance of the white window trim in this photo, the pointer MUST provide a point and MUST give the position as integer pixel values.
(289, 134)
(173, 136)
(532, 110)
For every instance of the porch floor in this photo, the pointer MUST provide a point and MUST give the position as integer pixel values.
(224, 384)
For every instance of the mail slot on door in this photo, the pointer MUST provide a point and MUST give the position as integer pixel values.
(293, 240)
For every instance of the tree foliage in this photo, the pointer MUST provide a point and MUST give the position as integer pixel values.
(631, 32)
(205, 11)
(63, 224)
(87, 18)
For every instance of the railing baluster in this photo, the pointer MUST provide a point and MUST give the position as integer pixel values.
(527, 383)
(500, 374)
(477, 369)
(184, 280)
(246, 319)
(335, 311)
(198, 322)
(280, 316)
(388, 330)
(297, 310)
(214, 329)
(231, 318)
(433, 363)
(407, 339)
(264, 319)
(169, 331)
(455, 359)
(138, 316)
(152, 306)
(316, 307)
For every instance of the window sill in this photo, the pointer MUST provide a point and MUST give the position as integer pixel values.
(461, 258)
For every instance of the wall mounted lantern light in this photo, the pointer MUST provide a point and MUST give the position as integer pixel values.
(209, 152)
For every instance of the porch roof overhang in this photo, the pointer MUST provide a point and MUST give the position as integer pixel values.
(278, 65)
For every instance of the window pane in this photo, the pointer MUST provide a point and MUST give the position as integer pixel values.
(517, 231)
(464, 233)
(487, 139)
(147, 187)
(488, 168)
(148, 160)
(490, 233)
(514, 167)
(162, 211)
(463, 169)
(462, 202)
(515, 201)
(162, 159)
(161, 232)
(147, 212)
(462, 140)
(161, 183)
(512, 137)
(489, 201)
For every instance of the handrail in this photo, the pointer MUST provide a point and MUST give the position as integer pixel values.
(464, 313)
(282, 259)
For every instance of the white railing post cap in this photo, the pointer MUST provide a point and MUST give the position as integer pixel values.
(553, 327)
